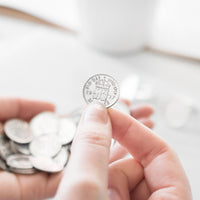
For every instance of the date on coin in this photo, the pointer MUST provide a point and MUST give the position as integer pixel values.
(101, 88)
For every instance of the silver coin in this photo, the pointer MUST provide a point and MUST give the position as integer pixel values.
(46, 164)
(5, 148)
(19, 161)
(122, 107)
(3, 165)
(62, 157)
(67, 130)
(20, 148)
(22, 171)
(18, 131)
(43, 123)
(47, 145)
(101, 88)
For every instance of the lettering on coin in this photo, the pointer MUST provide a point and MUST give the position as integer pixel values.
(101, 88)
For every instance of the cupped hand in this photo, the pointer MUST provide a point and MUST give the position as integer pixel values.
(153, 172)
(25, 187)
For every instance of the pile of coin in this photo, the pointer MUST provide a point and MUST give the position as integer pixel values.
(42, 144)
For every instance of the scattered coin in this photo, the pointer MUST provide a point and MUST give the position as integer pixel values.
(47, 145)
(101, 88)
(43, 123)
(18, 131)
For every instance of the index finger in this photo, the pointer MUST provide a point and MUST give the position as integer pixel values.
(163, 171)
(87, 170)
(22, 108)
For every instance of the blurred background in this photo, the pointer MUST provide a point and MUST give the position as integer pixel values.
(48, 49)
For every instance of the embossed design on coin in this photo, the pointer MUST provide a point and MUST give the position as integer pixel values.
(101, 88)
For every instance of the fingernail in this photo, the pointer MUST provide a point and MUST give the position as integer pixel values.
(96, 113)
(113, 194)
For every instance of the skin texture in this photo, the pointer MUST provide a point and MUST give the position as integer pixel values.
(142, 113)
(154, 171)
(22, 187)
(43, 185)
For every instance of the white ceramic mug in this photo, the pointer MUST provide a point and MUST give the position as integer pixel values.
(116, 26)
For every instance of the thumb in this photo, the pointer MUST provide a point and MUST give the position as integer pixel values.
(87, 172)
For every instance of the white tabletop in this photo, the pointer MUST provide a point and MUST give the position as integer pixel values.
(42, 63)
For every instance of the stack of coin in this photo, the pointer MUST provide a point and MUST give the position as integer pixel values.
(42, 144)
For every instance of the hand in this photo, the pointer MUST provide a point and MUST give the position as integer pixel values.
(40, 185)
(154, 172)
(26, 187)
(142, 113)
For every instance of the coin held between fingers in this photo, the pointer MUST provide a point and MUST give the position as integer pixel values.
(101, 88)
